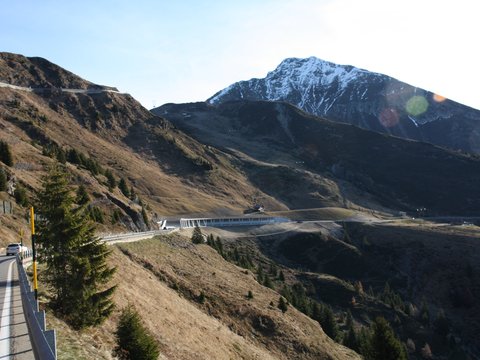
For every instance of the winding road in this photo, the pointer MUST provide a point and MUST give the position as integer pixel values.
(14, 338)
(74, 91)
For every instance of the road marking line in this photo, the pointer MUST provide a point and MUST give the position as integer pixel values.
(6, 313)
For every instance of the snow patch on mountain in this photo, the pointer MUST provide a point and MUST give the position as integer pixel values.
(306, 77)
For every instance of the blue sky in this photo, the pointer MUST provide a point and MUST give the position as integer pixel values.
(182, 51)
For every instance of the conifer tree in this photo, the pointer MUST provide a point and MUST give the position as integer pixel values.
(5, 154)
(134, 341)
(350, 339)
(3, 180)
(73, 157)
(197, 236)
(21, 195)
(122, 185)
(282, 304)
(82, 197)
(61, 156)
(76, 269)
(384, 345)
(267, 281)
(111, 182)
(329, 325)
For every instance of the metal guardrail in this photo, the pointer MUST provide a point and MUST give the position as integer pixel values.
(44, 342)
(133, 235)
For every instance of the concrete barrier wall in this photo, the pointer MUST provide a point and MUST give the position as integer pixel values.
(234, 221)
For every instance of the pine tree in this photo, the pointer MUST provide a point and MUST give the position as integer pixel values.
(73, 157)
(267, 281)
(384, 345)
(201, 298)
(219, 245)
(111, 182)
(316, 311)
(21, 195)
(329, 325)
(61, 156)
(76, 269)
(122, 185)
(134, 341)
(197, 236)
(211, 241)
(350, 339)
(260, 274)
(96, 215)
(3, 180)
(5, 154)
(282, 304)
(82, 197)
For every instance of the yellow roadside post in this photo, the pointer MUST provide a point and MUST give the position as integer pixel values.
(35, 285)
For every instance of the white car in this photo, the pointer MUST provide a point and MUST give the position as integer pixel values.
(14, 249)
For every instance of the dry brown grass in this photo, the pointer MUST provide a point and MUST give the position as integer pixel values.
(162, 278)
(261, 328)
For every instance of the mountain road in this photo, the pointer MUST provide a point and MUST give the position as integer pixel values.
(14, 338)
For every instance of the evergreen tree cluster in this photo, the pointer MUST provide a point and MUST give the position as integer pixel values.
(76, 157)
(392, 298)
(116, 216)
(73, 156)
(382, 344)
(76, 269)
(53, 150)
(5, 154)
(378, 342)
(134, 341)
(297, 296)
(96, 214)
(241, 258)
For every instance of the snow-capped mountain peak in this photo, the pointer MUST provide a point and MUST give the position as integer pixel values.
(348, 94)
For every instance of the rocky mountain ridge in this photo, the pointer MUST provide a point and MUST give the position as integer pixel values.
(279, 144)
(369, 100)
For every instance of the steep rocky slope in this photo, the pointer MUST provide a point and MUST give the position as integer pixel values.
(370, 100)
(168, 171)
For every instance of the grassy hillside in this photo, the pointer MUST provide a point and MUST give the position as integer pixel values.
(168, 171)
(321, 162)
(164, 277)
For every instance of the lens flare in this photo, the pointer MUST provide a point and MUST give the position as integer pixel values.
(416, 105)
(439, 98)
(388, 117)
